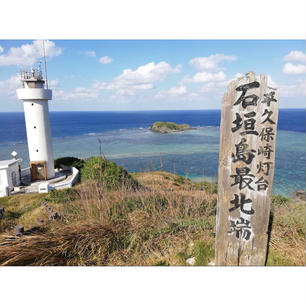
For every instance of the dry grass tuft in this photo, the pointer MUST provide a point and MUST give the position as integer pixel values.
(77, 244)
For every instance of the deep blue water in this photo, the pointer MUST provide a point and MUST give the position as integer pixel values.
(127, 140)
(12, 126)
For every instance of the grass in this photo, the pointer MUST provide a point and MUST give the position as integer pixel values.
(165, 222)
(203, 252)
(20, 209)
(287, 243)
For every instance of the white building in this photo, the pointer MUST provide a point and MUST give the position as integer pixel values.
(36, 111)
(9, 176)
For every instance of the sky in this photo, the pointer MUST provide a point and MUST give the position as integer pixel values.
(98, 75)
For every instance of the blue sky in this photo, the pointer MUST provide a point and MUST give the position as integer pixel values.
(151, 74)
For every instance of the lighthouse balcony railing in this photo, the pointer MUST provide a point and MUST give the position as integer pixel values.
(29, 76)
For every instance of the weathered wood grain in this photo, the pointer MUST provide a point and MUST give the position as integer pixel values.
(244, 250)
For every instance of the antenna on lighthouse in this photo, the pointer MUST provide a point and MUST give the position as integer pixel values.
(45, 64)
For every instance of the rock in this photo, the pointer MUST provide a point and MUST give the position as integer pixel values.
(54, 215)
(1, 213)
(169, 127)
(212, 263)
(19, 230)
(40, 221)
(191, 261)
(32, 229)
(300, 195)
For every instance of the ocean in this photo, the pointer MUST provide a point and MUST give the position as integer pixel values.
(127, 140)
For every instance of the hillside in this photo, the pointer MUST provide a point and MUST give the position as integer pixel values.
(166, 221)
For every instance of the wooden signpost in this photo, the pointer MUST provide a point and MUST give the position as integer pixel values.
(246, 168)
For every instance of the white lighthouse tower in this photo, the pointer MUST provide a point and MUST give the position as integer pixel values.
(36, 111)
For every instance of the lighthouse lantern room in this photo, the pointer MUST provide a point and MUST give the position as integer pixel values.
(36, 111)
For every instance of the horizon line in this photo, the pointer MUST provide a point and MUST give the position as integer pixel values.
(144, 110)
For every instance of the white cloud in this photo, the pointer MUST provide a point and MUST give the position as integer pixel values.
(105, 60)
(295, 56)
(215, 86)
(238, 75)
(53, 83)
(211, 75)
(177, 91)
(90, 53)
(290, 68)
(1, 49)
(84, 93)
(298, 89)
(203, 77)
(126, 84)
(27, 54)
(143, 78)
(211, 62)
(295, 90)
(8, 87)
(173, 92)
(148, 73)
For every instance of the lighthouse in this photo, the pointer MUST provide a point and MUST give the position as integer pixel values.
(35, 96)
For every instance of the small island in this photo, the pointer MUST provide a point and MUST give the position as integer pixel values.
(169, 127)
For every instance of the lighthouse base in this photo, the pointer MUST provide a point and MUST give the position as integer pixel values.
(38, 170)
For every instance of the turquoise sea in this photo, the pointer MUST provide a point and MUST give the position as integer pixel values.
(127, 140)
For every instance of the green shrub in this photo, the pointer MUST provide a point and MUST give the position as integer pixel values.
(279, 200)
(103, 171)
(69, 161)
(203, 253)
(60, 196)
(179, 180)
(276, 258)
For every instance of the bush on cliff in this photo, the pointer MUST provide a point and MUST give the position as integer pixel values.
(104, 171)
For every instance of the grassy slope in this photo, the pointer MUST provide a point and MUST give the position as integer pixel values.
(170, 221)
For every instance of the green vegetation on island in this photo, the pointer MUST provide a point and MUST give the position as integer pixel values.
(169, 127)
(115, 218)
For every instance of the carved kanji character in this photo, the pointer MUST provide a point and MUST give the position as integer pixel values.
(268, 98)
(266, 151)
(242, 153)
(242, 178)
(267, 134)
(241, 228)
(241, 203)
(262, 184)
(250, 99)
(264, 167)
(249, 124)
(269, 114)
